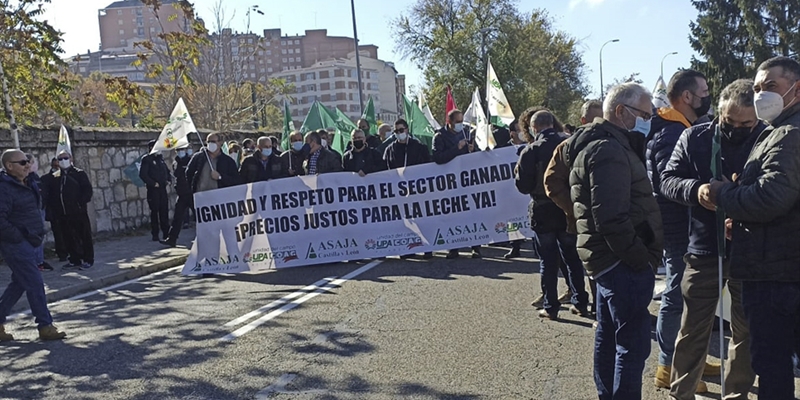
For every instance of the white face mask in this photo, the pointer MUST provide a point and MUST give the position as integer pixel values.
(401, 136)
(324, 143)
(234, 156)
(521, 136)
(769, 105)
(212, 147)
(64, 164)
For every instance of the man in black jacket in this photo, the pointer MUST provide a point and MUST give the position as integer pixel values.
(361, 158)
(553, 243)
(292, 159)
(405, 151)
(155, 174)
(372, 141)
(320, 160)
(21, 231)
(687, 172)
(450, 142)
(764, 205)
(221, 173)
(49, 213)
(68, 194)
(185, 199)
(264, 164)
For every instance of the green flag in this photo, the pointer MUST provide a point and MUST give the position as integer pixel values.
(225, 148)
(132, 172)
(321, 117)
(288, 126)
(369, 115)
(716, 171)
(417, 123)
(344, 128)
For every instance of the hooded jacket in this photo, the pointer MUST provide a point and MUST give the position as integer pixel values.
(617, 216)
(20, 215)
(666, 129)
(764, 204)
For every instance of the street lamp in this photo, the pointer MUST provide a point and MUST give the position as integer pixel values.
(601, 65)
(662, 62)
(485, 32)
(358, 58)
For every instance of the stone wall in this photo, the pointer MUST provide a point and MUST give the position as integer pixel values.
(117, 205)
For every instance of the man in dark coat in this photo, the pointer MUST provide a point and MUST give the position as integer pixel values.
(21, 231)
(155, 174)
(264, 164)
(450, 142)
(361, 158)
(49, 213)
(221, 173)
(185, 198)
(764, 206)
(292, 159)
(320, 160)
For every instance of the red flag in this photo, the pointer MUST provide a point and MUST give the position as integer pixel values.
(451, 104)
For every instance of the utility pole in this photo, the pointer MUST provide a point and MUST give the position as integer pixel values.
(358, 59)
(601, 66)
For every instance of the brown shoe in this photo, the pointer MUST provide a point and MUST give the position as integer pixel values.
(711, 369)
(580, 310)
(538, 302)
(547, 315)
(662, 380)
(5, 337)
(50, 332)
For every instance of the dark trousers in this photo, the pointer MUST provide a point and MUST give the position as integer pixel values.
(25, 278)
(555, 247)
(773, 313)
(158, 201)
(622, 340)
(182, 207)
(78, 236)
(60, 242)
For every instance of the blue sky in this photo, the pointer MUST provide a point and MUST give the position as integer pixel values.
(646, 29)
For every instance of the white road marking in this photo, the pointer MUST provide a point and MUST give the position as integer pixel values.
(296, 302)
(98, 291)
(310, 288)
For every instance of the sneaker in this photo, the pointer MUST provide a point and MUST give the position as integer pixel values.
(70, 267)
(45, 267)
(538, 302)
(427, 256)
(168, 243)
(594, 325)
(452, 254)
(580, 310)
(547, 315)
(50, 332)
(87, 265)
(514, 253)
(566, 297)
(5, 337)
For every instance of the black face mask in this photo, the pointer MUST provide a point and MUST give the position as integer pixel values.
(736, 135)
(705, 105)
(359, 144)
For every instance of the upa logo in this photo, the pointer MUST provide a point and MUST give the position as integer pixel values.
(511, 226)
(262, 256)
(381, 244)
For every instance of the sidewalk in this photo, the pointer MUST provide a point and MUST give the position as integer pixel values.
(116, 260)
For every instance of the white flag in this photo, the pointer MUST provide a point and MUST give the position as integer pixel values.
(499, 109)
(176, 130)
(660, 99)
(64, 143)
(470, 116)
(423, 105)
(483, 129)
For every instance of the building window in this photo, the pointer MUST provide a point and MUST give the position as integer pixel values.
(324, 74)
(261, 70)
(261, 79)
(269, 69)
(139, 21)
(283, 43)
(140, 31)
(269, 61)
(138, 11)
(252, 75)
(268, 43)
(123, 42)
(252, 66)
(283, 51)
(339, 85)
(296, 42)
(119, 12)
(269, 52)
(283, 59)
(249, 40)
(122, 31)
(291, 59)
(152, 29)
(251, 58)
(284, 69)
(120, 22)
(261, 52)
(235, 58)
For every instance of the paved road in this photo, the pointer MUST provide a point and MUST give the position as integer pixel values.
(413, 329)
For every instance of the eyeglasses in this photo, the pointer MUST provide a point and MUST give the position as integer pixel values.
(401, 130)
(645, 115)
(21, 162)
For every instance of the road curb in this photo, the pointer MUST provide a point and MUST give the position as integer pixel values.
(117, 277)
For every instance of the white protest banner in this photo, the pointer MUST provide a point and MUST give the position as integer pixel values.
(320, 219)
(175, 132)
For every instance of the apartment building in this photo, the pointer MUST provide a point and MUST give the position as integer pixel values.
(125, 22)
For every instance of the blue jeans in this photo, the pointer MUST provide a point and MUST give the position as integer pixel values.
(669, 315)
(553, 247)
(25, 278)
(622, 340)
(773, 313)
(39, 260)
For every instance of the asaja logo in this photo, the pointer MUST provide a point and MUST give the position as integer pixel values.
(215, 261)
(461, 234)
(331, 248)
(311, 254)
(439, 238)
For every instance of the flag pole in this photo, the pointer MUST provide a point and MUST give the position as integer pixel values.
(716, 168)
(203, 144)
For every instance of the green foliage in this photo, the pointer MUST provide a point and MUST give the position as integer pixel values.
(39, 86)
(734, 36)
(536, 64)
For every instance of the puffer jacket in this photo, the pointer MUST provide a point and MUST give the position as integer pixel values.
(68, 192)
(666, 129)
(617, 217)
(20, 211)
(764, 204)
(556, 184)
(545, 216)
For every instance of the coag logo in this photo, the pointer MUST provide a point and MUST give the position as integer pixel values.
(286, 256)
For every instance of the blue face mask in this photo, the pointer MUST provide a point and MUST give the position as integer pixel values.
(189, 152)
(181, 153)
(297, 146)
(641, 125)
(266, 152)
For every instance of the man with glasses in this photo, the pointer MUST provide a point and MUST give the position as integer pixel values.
(21, 232)
(619, 235)
(68, 194)
(690, 100)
